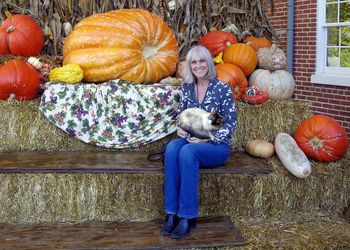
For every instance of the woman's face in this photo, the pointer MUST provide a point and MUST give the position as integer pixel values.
(199, 66)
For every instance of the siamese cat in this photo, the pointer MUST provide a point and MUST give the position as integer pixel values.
(200, 123)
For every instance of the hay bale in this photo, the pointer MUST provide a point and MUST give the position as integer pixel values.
(24, 128)
(79, 197)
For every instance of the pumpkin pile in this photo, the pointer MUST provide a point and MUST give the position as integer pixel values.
(253, 62)
(20, 35)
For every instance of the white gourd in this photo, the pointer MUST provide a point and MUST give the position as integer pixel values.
(272, 58)
(35, 62)
(279, 84)
(291, 156)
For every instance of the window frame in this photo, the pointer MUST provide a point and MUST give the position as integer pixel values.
(326, 74)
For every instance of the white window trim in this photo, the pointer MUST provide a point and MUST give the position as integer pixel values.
(323, 74)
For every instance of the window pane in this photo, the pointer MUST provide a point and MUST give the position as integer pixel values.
(345, 36)
(332, 13)
(344, 12)
(333, 36)
(345, 58)
(333, 57)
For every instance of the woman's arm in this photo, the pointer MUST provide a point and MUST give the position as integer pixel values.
(228, 110)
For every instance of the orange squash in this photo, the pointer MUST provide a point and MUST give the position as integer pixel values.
(241, 55)
(257, 42)
(127, 44)
(234, 76)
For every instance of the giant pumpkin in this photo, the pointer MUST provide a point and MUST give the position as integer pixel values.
(19, 80)
(127, 44)
(322, 138)
(20, 35)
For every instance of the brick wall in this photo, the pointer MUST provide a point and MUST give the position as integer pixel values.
(324, 99)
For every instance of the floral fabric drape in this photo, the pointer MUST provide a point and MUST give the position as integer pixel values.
(115, 114)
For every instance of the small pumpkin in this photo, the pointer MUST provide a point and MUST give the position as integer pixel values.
(260, 148)
(234, 76)
(217, 41)
(128, 44)
(243, 56)
(279, 84)
(253, 95)
(272, 58)
(18, 80)
(322, 138)
(20, 35)
(257, 42)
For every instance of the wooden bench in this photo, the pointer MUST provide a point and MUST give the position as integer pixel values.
(112, 162)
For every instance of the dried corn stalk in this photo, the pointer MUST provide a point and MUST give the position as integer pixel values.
(189, 19)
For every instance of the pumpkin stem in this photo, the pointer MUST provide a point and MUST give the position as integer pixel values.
(11, 28)
(12, 97)
(316, 143)
(149, 52)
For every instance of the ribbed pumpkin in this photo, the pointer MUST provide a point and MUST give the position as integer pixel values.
(322, 138)
(217, 41)
(20, 35)
(234, 76)
(19, 80)
(279, 84)
(243, 56)
(127, 44)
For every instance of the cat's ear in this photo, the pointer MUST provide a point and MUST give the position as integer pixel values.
(213, 111)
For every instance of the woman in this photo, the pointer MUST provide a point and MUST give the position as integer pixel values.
(184, 156)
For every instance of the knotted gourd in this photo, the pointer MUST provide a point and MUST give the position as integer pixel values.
(127, 44)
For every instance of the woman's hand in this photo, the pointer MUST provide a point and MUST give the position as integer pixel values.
(182, 133)
(196, 140)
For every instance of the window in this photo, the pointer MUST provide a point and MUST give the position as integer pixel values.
(333, 43)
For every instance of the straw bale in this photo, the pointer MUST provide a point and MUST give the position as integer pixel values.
(264, 121)
(80, 197)
(24, 128)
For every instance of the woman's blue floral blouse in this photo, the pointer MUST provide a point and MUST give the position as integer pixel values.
(218, 96)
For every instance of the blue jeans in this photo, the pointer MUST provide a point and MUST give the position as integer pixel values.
(182, 163)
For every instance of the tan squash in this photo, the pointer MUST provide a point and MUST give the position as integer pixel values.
(260, 148)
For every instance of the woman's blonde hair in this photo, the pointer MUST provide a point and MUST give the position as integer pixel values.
(206, 55)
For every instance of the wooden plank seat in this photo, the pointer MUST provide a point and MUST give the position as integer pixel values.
(210, 232)
(114, 162)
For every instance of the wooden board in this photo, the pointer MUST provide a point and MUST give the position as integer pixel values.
(210, 232)
(112, 162)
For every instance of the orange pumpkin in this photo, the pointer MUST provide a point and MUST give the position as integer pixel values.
(217, 41)
(127, 44)
(322, 138)
(243, 56)
(20, 35)
(257, 42)
(234, 76)
(19, 80)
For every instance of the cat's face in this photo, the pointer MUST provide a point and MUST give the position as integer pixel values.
(216, 119)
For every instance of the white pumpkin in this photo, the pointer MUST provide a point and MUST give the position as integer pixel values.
(279, 84)
(291, 156)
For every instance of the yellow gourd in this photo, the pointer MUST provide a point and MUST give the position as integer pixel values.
(70, 73)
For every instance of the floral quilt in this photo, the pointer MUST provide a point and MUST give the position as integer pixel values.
(115, 114)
